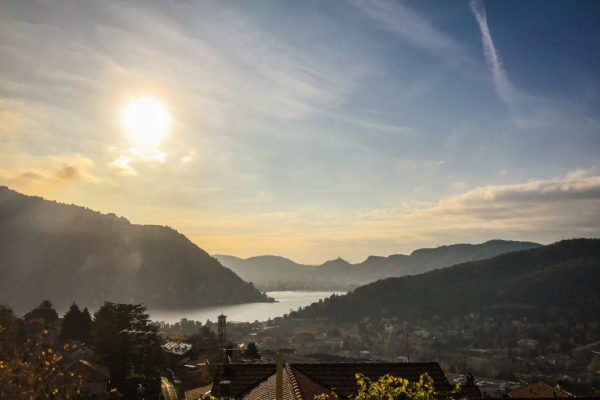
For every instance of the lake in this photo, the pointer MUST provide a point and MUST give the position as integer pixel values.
(248, 312)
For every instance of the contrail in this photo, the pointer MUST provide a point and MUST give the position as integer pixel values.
(503, 85)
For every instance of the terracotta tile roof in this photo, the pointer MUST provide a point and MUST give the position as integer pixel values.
(266, 389)
(538, 390)
(304, 387)
(296, 386)
(241, 376)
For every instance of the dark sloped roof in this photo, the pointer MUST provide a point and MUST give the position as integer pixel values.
(241, 376)
(305, 380)
(197, 393)
(341, 377)
(538, 390)
(304, 387)
(471, 391)
(91, 369)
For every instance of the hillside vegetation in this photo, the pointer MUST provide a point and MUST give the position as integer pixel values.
(67, 253)
(564, 275)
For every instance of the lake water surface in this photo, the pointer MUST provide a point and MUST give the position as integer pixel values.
(248, 312)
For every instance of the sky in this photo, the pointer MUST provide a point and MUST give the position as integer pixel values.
(311, 129)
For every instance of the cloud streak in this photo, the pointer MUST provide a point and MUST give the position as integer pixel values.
(416, 30)
(503, 85)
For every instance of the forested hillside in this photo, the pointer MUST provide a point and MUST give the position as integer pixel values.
(67, 253)
(564, 275)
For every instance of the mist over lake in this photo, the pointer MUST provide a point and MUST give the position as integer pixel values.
(249, 312)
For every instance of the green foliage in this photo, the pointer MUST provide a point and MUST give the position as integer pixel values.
(563, 275)
(127, 342)
(46, 311)
(68, 253)
(77, 324)
(252, 352)
(11, 333)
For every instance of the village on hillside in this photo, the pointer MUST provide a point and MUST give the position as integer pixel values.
(301, 358)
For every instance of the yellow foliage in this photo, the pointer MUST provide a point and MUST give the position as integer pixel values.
(36, 373)
(389, 387)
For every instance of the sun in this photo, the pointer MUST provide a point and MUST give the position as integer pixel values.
(146, 120)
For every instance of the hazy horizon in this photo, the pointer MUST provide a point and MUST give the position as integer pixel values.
(310, 130)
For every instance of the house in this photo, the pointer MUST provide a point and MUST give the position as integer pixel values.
(74, 350)
(305, 380)
(198, 393)
(178, 353)
(538, 390)
(96, 377)
(176, 348)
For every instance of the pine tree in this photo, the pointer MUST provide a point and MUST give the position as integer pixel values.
(46, 311)
(76, 324)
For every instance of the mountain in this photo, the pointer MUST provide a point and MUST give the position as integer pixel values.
(335, 267)
(564, 275)
(427, 259)
(278, 273)
(274, 272)
(66, 253)
(266, 267)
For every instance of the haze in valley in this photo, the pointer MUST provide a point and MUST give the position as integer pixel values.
(313, 130)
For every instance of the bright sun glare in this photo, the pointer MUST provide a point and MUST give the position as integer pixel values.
(146, 120)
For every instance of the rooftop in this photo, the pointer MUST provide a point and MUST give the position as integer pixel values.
(538, 390)
(305, 380)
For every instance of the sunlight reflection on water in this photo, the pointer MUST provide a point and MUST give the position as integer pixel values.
(249, 312)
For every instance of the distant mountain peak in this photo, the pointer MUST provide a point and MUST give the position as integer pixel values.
(339, 261)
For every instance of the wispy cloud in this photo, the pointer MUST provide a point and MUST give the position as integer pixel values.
(503, 85)
(416, 30)
(48, 172)
(544, 210)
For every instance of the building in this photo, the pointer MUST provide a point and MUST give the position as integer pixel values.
(538, 390)
(305, 380)
(96, 377)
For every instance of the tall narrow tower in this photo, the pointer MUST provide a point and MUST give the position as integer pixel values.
(221, 330)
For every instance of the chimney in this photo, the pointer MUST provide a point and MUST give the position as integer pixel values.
(279, 378)
(225, 388)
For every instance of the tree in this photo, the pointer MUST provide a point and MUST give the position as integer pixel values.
(11, 333)
(389, 387)
(76, 324)
(35, 372)
(334, 333)
(86, 324)
(46, 311)
(252, 351)
(127, 342)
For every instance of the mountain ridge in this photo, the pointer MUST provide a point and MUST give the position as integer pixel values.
(563, 274)
(68, 253)
(343, 275)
